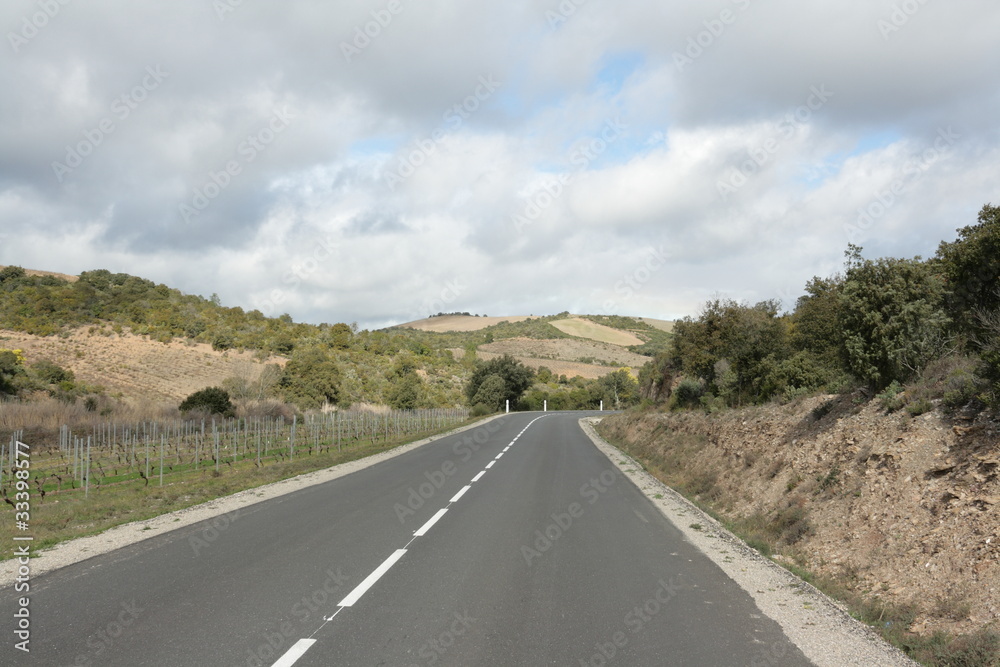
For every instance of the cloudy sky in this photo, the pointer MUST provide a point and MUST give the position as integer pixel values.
(379, 160)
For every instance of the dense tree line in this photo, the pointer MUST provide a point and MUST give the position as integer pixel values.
(880, 325)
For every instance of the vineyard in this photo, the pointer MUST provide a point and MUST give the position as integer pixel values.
(159, 452)
(81, 483)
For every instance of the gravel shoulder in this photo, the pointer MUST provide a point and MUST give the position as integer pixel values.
(819, 626)
(75, 551)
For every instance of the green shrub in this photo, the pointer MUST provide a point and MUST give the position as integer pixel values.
(892, 398)
(480, 410)
(51, 373)
(919, 407)
(688, 393)
(213, 400)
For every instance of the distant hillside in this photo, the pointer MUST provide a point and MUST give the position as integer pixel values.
(135, 367)
(445, 323)
(147, 341)
(126, 336)
(61, 276)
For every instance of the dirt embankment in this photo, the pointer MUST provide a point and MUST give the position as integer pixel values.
(901, 509)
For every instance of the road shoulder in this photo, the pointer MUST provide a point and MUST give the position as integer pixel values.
(819, 626)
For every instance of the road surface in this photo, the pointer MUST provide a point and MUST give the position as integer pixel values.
(516, 543)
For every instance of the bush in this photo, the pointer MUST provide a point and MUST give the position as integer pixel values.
(919, 407)
(688, 393)
(51, 373)
(213, 400)
(893, 398)
(481, 410)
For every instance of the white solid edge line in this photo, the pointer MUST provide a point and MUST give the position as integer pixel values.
(363, 587)
(460, 494)
(479, 476)
(490, 464)
(293, 654)
(427, 526)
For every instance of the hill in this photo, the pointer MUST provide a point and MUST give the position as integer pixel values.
(125, 337)
(445, 323)
(136, 367)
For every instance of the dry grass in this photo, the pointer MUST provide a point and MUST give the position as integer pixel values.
(582, 328)
(460, 323)
(33, 272)
(662, 325)
(134, 366)
(50, 414)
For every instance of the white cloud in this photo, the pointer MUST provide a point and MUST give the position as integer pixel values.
(312, 216)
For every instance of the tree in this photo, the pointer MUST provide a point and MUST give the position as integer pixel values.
(213, 400)
(11, 365)
(340, 336)
(893, 318)
(620, 388)
(405, 390)
(816, 323)
(11, 273)
(491, 393)
(656, 378)
(971, 267)
(516, 378)
(311, 378)
(749, 339)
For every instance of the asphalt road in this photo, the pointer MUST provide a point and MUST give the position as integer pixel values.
(516, 543)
